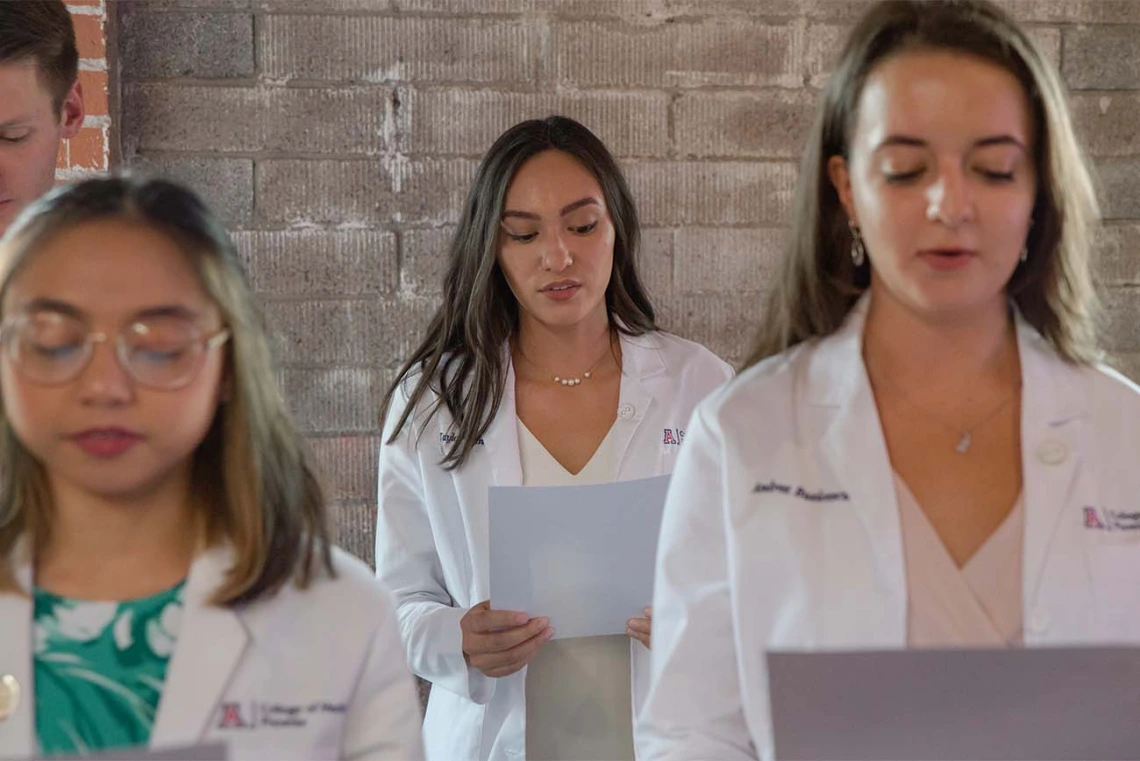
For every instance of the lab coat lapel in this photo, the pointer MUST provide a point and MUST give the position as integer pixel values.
(210, 644)
(502, 437)
(1054, 406)
(853, 446)
(640, 361)
(17, 732)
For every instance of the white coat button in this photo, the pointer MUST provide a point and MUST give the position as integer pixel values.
(625, 412)
(9, 696)
(1052, 452)
(1039, 621)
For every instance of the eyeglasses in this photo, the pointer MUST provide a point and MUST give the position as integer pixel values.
(161, 352)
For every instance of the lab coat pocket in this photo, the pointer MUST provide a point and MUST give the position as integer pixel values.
(1115, 570)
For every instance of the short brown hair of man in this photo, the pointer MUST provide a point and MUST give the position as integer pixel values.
(41, 31)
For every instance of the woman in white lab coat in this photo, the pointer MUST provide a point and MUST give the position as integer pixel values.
(543, 366)
(166, 574)
(922, 451)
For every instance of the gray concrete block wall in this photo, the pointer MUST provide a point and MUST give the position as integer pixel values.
(338, 137)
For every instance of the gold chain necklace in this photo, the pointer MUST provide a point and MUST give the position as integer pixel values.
(570, 381)
(966, 434)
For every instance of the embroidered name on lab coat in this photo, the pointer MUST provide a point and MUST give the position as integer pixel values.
(799, 492)
(1103, 519)
(251, 715)
(674, 436)
(447, 438)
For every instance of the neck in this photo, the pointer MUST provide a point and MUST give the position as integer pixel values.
(565, 350)
(945, 354)
(118, 547)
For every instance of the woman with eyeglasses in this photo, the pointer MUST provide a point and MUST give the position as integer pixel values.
(166, 572)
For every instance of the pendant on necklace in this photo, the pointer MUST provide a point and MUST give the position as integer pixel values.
(964, 444)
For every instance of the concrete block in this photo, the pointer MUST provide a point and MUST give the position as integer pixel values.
(432, 192)
(225, 184)
(426, 253)
(1120, 188)
(1118, 260)
(164, 5)
(655, 262)
(336, 400)
(1074, 11)
(1127, 364)
(375, 333)
(725, 323)
(756, 124)
(315, 263)
(155, 45)
(321, 192)
(732, 193)
(1109, 124)
(1102, 58)
(719, 260)
(347, 465)
(387, 49)
(255, 119)
(355, 523)
(324, 6)
(713, 52)
(1122, 326)
(466, 122)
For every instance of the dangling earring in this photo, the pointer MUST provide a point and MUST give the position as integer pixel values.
(858, 250)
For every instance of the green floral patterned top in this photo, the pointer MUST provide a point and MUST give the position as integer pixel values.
(100, 668)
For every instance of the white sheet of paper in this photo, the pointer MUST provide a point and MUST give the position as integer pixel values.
(1024, 704)
(580, 555)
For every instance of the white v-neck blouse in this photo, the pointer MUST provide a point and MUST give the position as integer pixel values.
(977, 605)
(578, 702)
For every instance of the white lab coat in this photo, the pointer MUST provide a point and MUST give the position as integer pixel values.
(313, 674)
(432, 535)
(744, 567)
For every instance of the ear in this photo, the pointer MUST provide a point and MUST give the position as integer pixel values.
(72, 112)
(840, 176)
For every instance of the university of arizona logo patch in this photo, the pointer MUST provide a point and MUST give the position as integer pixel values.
(231, 717)
(674, 436)
(1092, 520)
(1106, 519)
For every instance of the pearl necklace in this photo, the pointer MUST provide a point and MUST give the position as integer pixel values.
(577, 381)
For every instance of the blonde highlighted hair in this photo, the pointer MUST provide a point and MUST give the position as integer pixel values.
(253, 483)
(817, 283)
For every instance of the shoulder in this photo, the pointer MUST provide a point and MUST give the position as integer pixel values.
(682, 357)
(766, 390)
(352, 596)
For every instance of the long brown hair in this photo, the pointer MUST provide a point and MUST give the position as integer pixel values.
(461, 359)
(817, 283)
(252, 479)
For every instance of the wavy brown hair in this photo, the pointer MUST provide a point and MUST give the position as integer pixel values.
(253, 483)
(461, 360)
(817, 282)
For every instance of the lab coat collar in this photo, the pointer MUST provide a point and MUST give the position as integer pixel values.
(641, 360)
(211, 641)
(17, 732)
(1054, 402)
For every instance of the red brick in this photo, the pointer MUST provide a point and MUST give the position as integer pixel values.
(94, 92)
(87, 150)
(89, 36)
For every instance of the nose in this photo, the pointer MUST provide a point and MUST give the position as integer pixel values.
(556, 255)
(104, 381)
(950, 199)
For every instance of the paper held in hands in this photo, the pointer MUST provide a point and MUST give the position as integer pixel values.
(580, 555)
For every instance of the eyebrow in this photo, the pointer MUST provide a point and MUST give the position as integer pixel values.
(914, 142)
(55, 305)
(587, 201)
